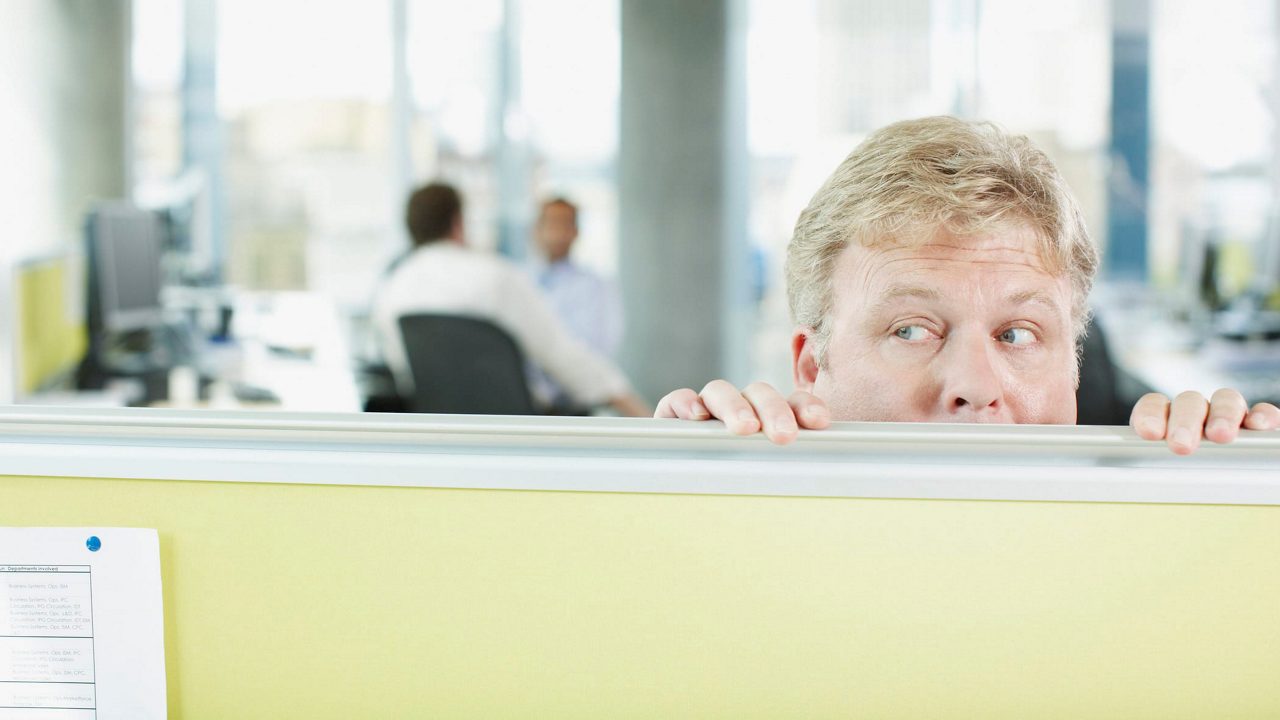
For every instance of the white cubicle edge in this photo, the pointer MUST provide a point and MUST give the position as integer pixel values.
(873, 460)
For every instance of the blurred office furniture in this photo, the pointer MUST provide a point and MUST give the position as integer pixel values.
(184, 207)
(264, 350)
(49, 321)
(1106, 393)
(1217, 325)
(378, 388)
(322, 565)
(1170, 352)
(1229, 275)
(1096, 398)
(120, 329)
(464, 365)
(285, 350)
(1176, 363)
(128, 335)
(45, 299)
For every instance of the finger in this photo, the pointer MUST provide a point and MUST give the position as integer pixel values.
(776, 416)
(723, 401)
(809, 410)
(1186, 422)
(1263, 416)
(683, 403)
(1227, 409)
(1150, 416)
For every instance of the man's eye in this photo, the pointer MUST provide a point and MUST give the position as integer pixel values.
(1017, 336)
(912, 332)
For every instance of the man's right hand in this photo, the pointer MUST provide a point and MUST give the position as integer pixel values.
(757, 406)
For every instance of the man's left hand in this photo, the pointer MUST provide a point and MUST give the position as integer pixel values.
(1188, 418)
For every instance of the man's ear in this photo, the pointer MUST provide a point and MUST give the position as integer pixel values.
(804, 359)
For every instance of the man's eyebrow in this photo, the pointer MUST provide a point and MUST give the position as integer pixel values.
(1034, 297)
(902, 292)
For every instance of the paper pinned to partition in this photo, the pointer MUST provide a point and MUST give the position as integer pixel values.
(81, 624)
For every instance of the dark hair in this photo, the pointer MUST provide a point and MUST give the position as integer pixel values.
(560, 200)
(432, 211)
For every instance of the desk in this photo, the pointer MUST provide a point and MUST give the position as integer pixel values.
(335, 566)
(1253, 370)
(1172, 357)
(288, 347)
(295, 347)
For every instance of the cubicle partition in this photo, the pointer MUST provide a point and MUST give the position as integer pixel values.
(337, 566)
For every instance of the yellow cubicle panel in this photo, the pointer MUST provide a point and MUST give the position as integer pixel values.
(333, 601)
(51, 331)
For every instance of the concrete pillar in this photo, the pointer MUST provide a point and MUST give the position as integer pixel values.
(64, 77)
(682, 250)
(66, 74)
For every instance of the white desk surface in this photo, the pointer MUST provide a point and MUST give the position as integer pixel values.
(292, 344)
(1172, 358)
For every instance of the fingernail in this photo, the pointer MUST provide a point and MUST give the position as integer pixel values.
(746, 416)
(1182, 436)
(815, 412)
(1150, 427)
(786, 425)
(1219, 425)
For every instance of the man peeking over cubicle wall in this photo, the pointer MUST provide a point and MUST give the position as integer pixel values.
(941, 274)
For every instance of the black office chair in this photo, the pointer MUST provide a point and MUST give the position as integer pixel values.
(1107, 393)
(464, 365)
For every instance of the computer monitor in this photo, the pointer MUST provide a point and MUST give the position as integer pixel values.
(125, 245)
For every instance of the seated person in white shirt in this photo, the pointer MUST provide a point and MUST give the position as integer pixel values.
(587, 304)
(941, 274)
(441, 275)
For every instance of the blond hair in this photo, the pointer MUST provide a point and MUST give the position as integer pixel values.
(913, 177)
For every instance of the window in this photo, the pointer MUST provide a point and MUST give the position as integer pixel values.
(510, 101)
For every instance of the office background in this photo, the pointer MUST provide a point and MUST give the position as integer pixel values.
(691, 133)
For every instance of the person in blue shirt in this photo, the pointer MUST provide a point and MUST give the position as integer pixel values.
(587, 304)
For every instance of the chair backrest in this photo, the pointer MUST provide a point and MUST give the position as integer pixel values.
(464, 365)
(1098, 398)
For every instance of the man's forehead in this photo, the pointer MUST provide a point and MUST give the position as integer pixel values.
(1005, 263)
(1007, 248)
(1014, 294)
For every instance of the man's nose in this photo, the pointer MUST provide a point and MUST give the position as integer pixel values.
(971, 385)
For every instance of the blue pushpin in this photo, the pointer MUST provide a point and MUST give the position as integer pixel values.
(93, 543)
